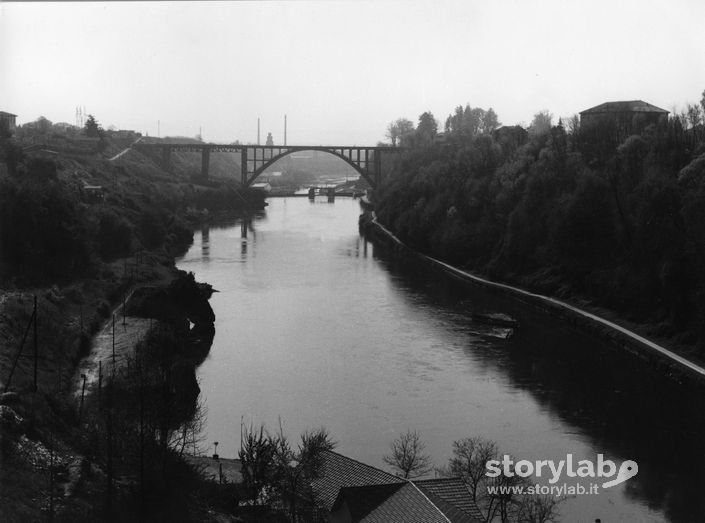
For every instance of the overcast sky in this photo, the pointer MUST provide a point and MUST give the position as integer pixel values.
(340, 70)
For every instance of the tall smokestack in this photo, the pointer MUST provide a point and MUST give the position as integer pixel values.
(284, 129)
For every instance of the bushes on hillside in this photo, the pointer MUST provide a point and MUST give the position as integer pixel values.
(618, 225)
(48, 234)
(41, 227)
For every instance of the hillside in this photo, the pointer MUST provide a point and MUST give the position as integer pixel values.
(80, 233)
(616, 226)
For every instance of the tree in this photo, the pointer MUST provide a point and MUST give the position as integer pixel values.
(695, 115)
(295, 469)
(427, 129)
(398, 129)
(470, 456)
(469, 462)
(472, 121)
(490, 121)
(454, 122)
(541, 124)
(393, 133)
(256, 455)
(408, 457)
(92, 127)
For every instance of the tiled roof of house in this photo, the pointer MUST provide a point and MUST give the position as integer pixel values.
(372, 495)
(450, 495)
(407, 505)
(631, 106)
(338, 471)
(360, 501)
(399, 503)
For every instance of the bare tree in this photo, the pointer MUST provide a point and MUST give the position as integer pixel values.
(538, 509)
(495, 497)
(398, 129)
(408, 457)
(296, 468)
(470, 456)
(190, 434)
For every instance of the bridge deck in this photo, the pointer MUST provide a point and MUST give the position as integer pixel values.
(366, 160)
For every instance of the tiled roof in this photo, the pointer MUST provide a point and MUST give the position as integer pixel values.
(631, 106)
(372, 495)
(360, 501)
(339, 471)
(407, 505)
(3, 113)
(451, 496)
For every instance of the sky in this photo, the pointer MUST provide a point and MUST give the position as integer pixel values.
(340, 70)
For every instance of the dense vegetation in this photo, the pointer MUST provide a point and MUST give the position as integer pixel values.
(53, 230)
(565, 211)
(77, 233)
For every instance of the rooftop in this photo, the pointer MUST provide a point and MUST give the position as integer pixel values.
(631, 106)
(338, 471)
(450, 495)
(372, 495)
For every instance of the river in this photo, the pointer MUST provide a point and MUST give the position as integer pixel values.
(315, 329)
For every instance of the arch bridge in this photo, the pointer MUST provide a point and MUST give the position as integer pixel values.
(254, 159)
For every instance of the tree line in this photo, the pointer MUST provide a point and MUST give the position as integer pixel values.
(563, 210)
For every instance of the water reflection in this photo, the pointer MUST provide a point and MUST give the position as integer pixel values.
(205, 242)
(623, 406)
(322, 328)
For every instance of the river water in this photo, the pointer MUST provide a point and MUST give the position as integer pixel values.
(314, 328)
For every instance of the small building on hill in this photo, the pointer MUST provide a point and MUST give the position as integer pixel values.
(627, 117)
(9, 119)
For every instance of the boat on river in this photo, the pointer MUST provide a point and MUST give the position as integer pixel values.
(495, 318)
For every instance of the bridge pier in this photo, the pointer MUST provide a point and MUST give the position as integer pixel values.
(243, 167)
(205, 162)
(378, 169)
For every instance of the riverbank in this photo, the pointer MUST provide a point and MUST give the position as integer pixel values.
(51, 437)
(617, 335)
(86, 261)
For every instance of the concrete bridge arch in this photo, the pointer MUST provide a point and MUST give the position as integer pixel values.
(254, 159)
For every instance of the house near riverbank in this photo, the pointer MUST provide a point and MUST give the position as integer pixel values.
(349, 491)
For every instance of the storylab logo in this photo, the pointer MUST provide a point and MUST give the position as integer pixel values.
(600, 470)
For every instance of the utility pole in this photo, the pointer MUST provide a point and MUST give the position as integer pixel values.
(257, 130)
(83, 393)
(100, 380)
(36, 348)
(284, 129)
(113, 343)
(159, 129)
(51, 477)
